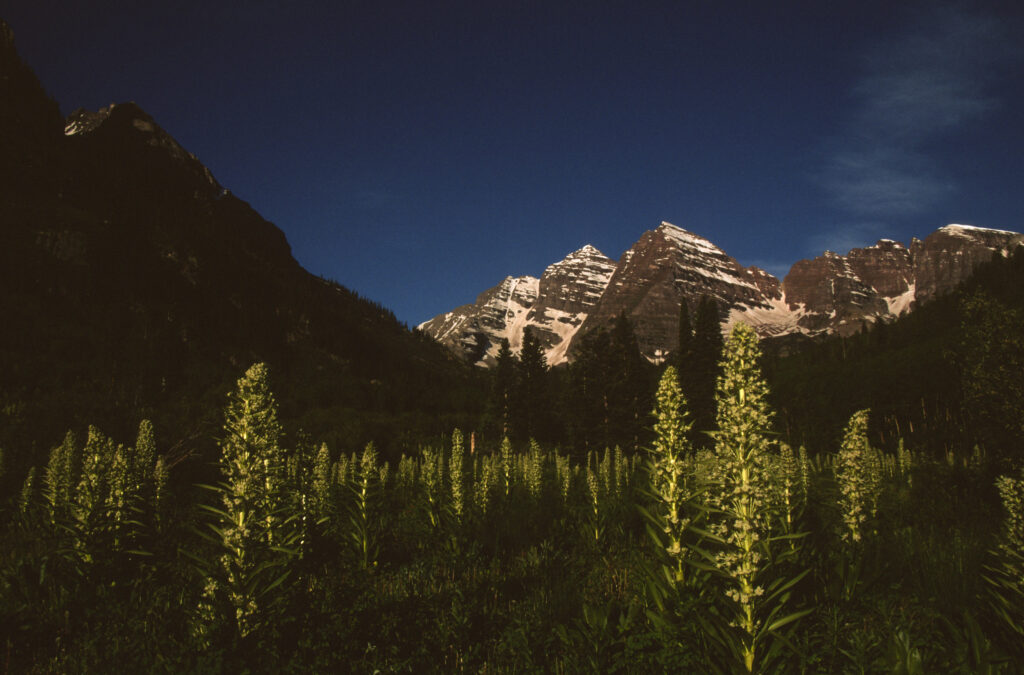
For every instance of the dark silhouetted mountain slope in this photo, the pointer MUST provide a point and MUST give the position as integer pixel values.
(133, 285)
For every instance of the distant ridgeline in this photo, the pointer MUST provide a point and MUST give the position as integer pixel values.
(135, 286)
(831, 294)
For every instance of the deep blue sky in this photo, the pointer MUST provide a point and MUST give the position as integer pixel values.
(419, 152)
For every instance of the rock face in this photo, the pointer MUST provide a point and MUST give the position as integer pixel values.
(829, 294)
(949, 255)
(569, 289)
(475, 331)
(664, 267)
(840, 294)
(553, 306)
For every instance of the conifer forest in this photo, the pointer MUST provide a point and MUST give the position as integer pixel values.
(735, 510)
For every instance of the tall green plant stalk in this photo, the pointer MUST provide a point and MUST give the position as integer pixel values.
(859, 476)
(432, 471)
(1006, 576)
(363, 488)
(563, 470)
(594, 492)
(88, 509)
(61, 476)
(485, 481)
(28, 492)
(250, 534)
(786, 477)
(323, 482)
(507, 465)
(669, 470)
(533, 473)
(741, 496)
(456, 472)
(621, 473)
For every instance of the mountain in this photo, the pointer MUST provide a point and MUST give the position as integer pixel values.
(133, 284)
(554, 306)
(664, 266)
(830, 294)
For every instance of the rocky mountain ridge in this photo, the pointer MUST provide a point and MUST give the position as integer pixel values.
(831, 293)
(137, 286)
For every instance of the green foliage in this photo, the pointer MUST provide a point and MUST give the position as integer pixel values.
(531, 410)
(940, 377)
(534, 471)
(457, 475)
(540, 569)
(672, 485)
(742, 517)
(699, 377)
(365, 488)
(991, 358)
(503, 390)
(432, 475)
(506, 466)
(859, 476)
(61, 478)
(1006, 575)
(609, 391)
(28, 491)
(251, 529)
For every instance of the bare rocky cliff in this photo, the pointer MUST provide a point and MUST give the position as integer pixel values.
(831, 293)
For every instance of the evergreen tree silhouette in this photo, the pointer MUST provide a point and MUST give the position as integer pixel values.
(699, 384)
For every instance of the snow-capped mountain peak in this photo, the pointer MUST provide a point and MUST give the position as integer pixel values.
(669, 265)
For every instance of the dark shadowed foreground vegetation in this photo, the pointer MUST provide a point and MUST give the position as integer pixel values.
(741, 555)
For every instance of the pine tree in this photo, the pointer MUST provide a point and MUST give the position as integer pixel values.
(588, 404)
(531, 404)
(628, 398)
(504, 387)
(684, 346)
(703, 372)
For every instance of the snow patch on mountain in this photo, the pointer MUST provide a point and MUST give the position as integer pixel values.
(902, 302)
(967, 230)
(777, 318)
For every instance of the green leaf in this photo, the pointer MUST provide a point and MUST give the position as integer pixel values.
(788, 619)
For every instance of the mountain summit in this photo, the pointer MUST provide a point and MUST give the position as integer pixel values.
(554, 306)
(668, 265)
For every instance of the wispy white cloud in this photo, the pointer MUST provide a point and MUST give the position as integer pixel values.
(933, 79)
(880, 181)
